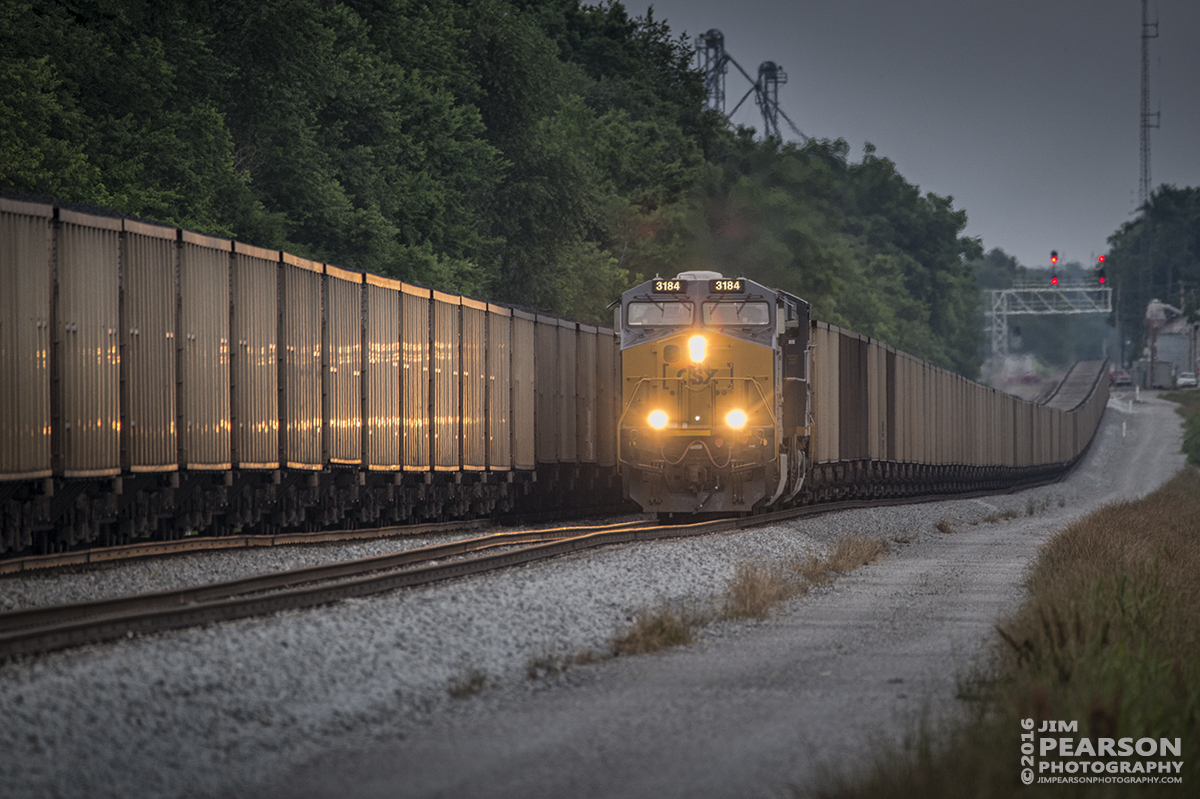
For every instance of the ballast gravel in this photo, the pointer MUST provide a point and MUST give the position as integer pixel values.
(281, 703)
(126, 578)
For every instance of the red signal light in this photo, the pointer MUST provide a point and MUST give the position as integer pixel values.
(1054, 256)
(1054, 280)
(1101, 279)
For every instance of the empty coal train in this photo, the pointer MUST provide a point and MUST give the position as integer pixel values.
(734, 400)
(157, 382)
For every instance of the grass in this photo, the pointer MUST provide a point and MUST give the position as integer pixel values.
(813, 570)
(750, 593)
(1189, 409)
(1109, 636)
(756, 587)
(669, 624)
(1032, 508)
(467, 684)
(854, 551)
(999, 516)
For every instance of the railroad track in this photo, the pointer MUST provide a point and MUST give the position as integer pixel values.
(153, 549)
(188, 545)
(49, 628)
(53, 627)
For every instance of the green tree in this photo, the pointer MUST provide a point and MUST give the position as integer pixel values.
(99, 83)
(42, 149)
(859, 242)
(544, 152)
(1156, 255)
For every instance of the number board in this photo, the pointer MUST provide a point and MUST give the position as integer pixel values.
(669, 287)
(726, 286)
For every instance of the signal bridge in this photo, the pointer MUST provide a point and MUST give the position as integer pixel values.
(1042, 300)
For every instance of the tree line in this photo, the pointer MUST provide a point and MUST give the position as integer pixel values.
(540, 152)
(1156, 255)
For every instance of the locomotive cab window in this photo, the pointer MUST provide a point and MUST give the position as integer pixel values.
(737, 313)
(651, 314)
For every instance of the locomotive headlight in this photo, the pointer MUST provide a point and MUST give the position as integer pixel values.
(697, 348)
(657, 420)
(735, 419)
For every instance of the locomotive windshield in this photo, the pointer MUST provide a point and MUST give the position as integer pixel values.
(650, 314)
(737, 313)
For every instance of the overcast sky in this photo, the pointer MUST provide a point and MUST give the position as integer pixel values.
(1026, 113)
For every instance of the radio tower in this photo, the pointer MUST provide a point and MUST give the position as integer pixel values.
(1149, 120)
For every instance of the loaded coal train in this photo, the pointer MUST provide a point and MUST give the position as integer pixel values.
(155, 382)
(734, 400)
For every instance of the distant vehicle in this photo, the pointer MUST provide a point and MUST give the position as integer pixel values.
(1186, 380)
(1120, 378)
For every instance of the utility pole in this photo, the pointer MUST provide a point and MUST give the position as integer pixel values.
(1120, 329)
(1149, 120)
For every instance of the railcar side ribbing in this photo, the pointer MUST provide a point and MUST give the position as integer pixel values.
(888, 424)
(158, 382)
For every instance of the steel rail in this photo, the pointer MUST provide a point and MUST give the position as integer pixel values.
(87, 557)
(67, 632)
(79, 611)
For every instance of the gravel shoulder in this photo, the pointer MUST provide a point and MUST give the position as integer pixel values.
(352, 700)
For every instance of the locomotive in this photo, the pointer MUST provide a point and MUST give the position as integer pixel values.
(735, 401)
(715, 394)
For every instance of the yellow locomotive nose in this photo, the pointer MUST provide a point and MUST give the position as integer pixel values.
(698, 348)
